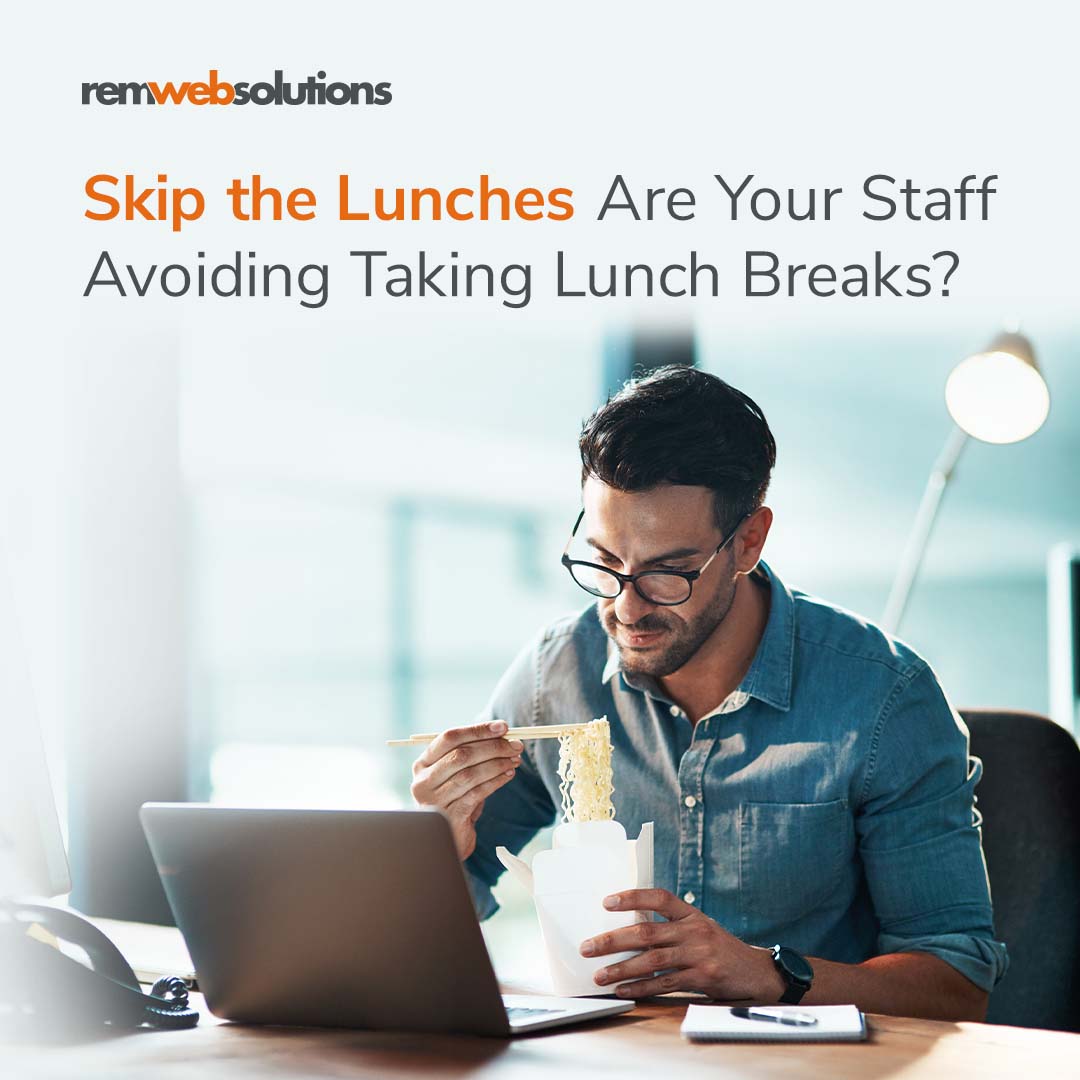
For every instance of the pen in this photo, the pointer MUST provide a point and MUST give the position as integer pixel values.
(782, 1016)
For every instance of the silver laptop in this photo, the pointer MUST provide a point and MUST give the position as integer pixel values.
(343, 918)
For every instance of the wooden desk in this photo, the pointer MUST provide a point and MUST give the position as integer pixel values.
(645, 1042)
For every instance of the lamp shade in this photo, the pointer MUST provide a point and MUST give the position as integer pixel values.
(999, 395)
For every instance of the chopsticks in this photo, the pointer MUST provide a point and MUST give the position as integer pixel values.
(536, 731)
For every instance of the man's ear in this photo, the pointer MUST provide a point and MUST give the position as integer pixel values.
(751, 539)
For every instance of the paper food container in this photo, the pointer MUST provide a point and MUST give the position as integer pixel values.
(586, 862)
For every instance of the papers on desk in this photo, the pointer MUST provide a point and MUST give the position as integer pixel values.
(719, 1023)
(152, 951)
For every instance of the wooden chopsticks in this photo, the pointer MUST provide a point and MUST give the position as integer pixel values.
(536, 731)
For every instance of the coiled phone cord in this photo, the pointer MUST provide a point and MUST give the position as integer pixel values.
(167, 1005)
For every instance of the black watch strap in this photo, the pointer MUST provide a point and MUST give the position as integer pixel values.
(795, 971)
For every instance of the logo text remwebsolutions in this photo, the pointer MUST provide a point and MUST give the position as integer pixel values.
(314, 90)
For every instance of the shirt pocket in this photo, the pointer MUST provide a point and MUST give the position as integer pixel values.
(791, 859)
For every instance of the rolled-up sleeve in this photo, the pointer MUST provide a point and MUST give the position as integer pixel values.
(518, 810)
(920, 834)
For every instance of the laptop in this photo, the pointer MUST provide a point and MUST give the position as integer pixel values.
(340, 918)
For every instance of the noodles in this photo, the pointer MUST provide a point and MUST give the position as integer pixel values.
(585, 773)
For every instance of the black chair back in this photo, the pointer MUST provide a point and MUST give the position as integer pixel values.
(1029, 797)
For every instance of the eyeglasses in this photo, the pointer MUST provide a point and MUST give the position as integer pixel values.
(664, 587)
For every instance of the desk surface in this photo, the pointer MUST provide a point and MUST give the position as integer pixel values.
(643, 1042)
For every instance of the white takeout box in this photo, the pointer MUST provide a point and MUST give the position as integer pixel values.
(586, 862)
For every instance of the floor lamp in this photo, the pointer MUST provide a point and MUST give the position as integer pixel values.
(997, 396)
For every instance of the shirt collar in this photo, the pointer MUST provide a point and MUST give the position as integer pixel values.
(611, 668)
(770, 674)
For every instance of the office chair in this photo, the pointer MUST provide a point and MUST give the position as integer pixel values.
(1029, 797)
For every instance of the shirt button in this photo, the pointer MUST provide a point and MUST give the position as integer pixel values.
(689, 897)
(690, 802)
(676, 711)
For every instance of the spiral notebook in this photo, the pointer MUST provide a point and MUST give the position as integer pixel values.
(717, 1023)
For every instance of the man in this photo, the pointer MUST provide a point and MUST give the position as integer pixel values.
(810, 784)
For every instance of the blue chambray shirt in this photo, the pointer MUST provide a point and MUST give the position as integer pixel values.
(827, 804)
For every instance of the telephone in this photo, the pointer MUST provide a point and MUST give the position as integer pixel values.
(40, 981)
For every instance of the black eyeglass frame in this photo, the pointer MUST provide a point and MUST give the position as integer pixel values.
(689, 576)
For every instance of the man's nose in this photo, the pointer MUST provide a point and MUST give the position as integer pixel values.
(630, 606)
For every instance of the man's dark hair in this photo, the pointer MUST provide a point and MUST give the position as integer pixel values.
(680, 425)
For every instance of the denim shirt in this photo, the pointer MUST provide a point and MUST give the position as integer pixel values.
(827, 804)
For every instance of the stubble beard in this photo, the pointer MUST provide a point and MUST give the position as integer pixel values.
(683, 638)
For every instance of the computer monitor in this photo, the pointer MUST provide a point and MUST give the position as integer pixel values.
(1063, 606)
(33, 862)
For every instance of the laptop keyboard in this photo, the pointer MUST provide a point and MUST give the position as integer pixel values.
(520, 1012)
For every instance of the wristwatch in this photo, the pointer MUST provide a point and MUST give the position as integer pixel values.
(795, 970)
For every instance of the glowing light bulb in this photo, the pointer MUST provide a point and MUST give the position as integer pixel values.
(999, 396)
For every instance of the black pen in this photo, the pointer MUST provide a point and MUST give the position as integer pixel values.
(783, 1016)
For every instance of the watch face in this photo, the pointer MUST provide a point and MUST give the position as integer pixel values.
(797, 965)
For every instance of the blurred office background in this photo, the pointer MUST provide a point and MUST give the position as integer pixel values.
(370, 544)
(266, 553)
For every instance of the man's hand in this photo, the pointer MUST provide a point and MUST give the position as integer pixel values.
(690, 950)
(459, 770)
